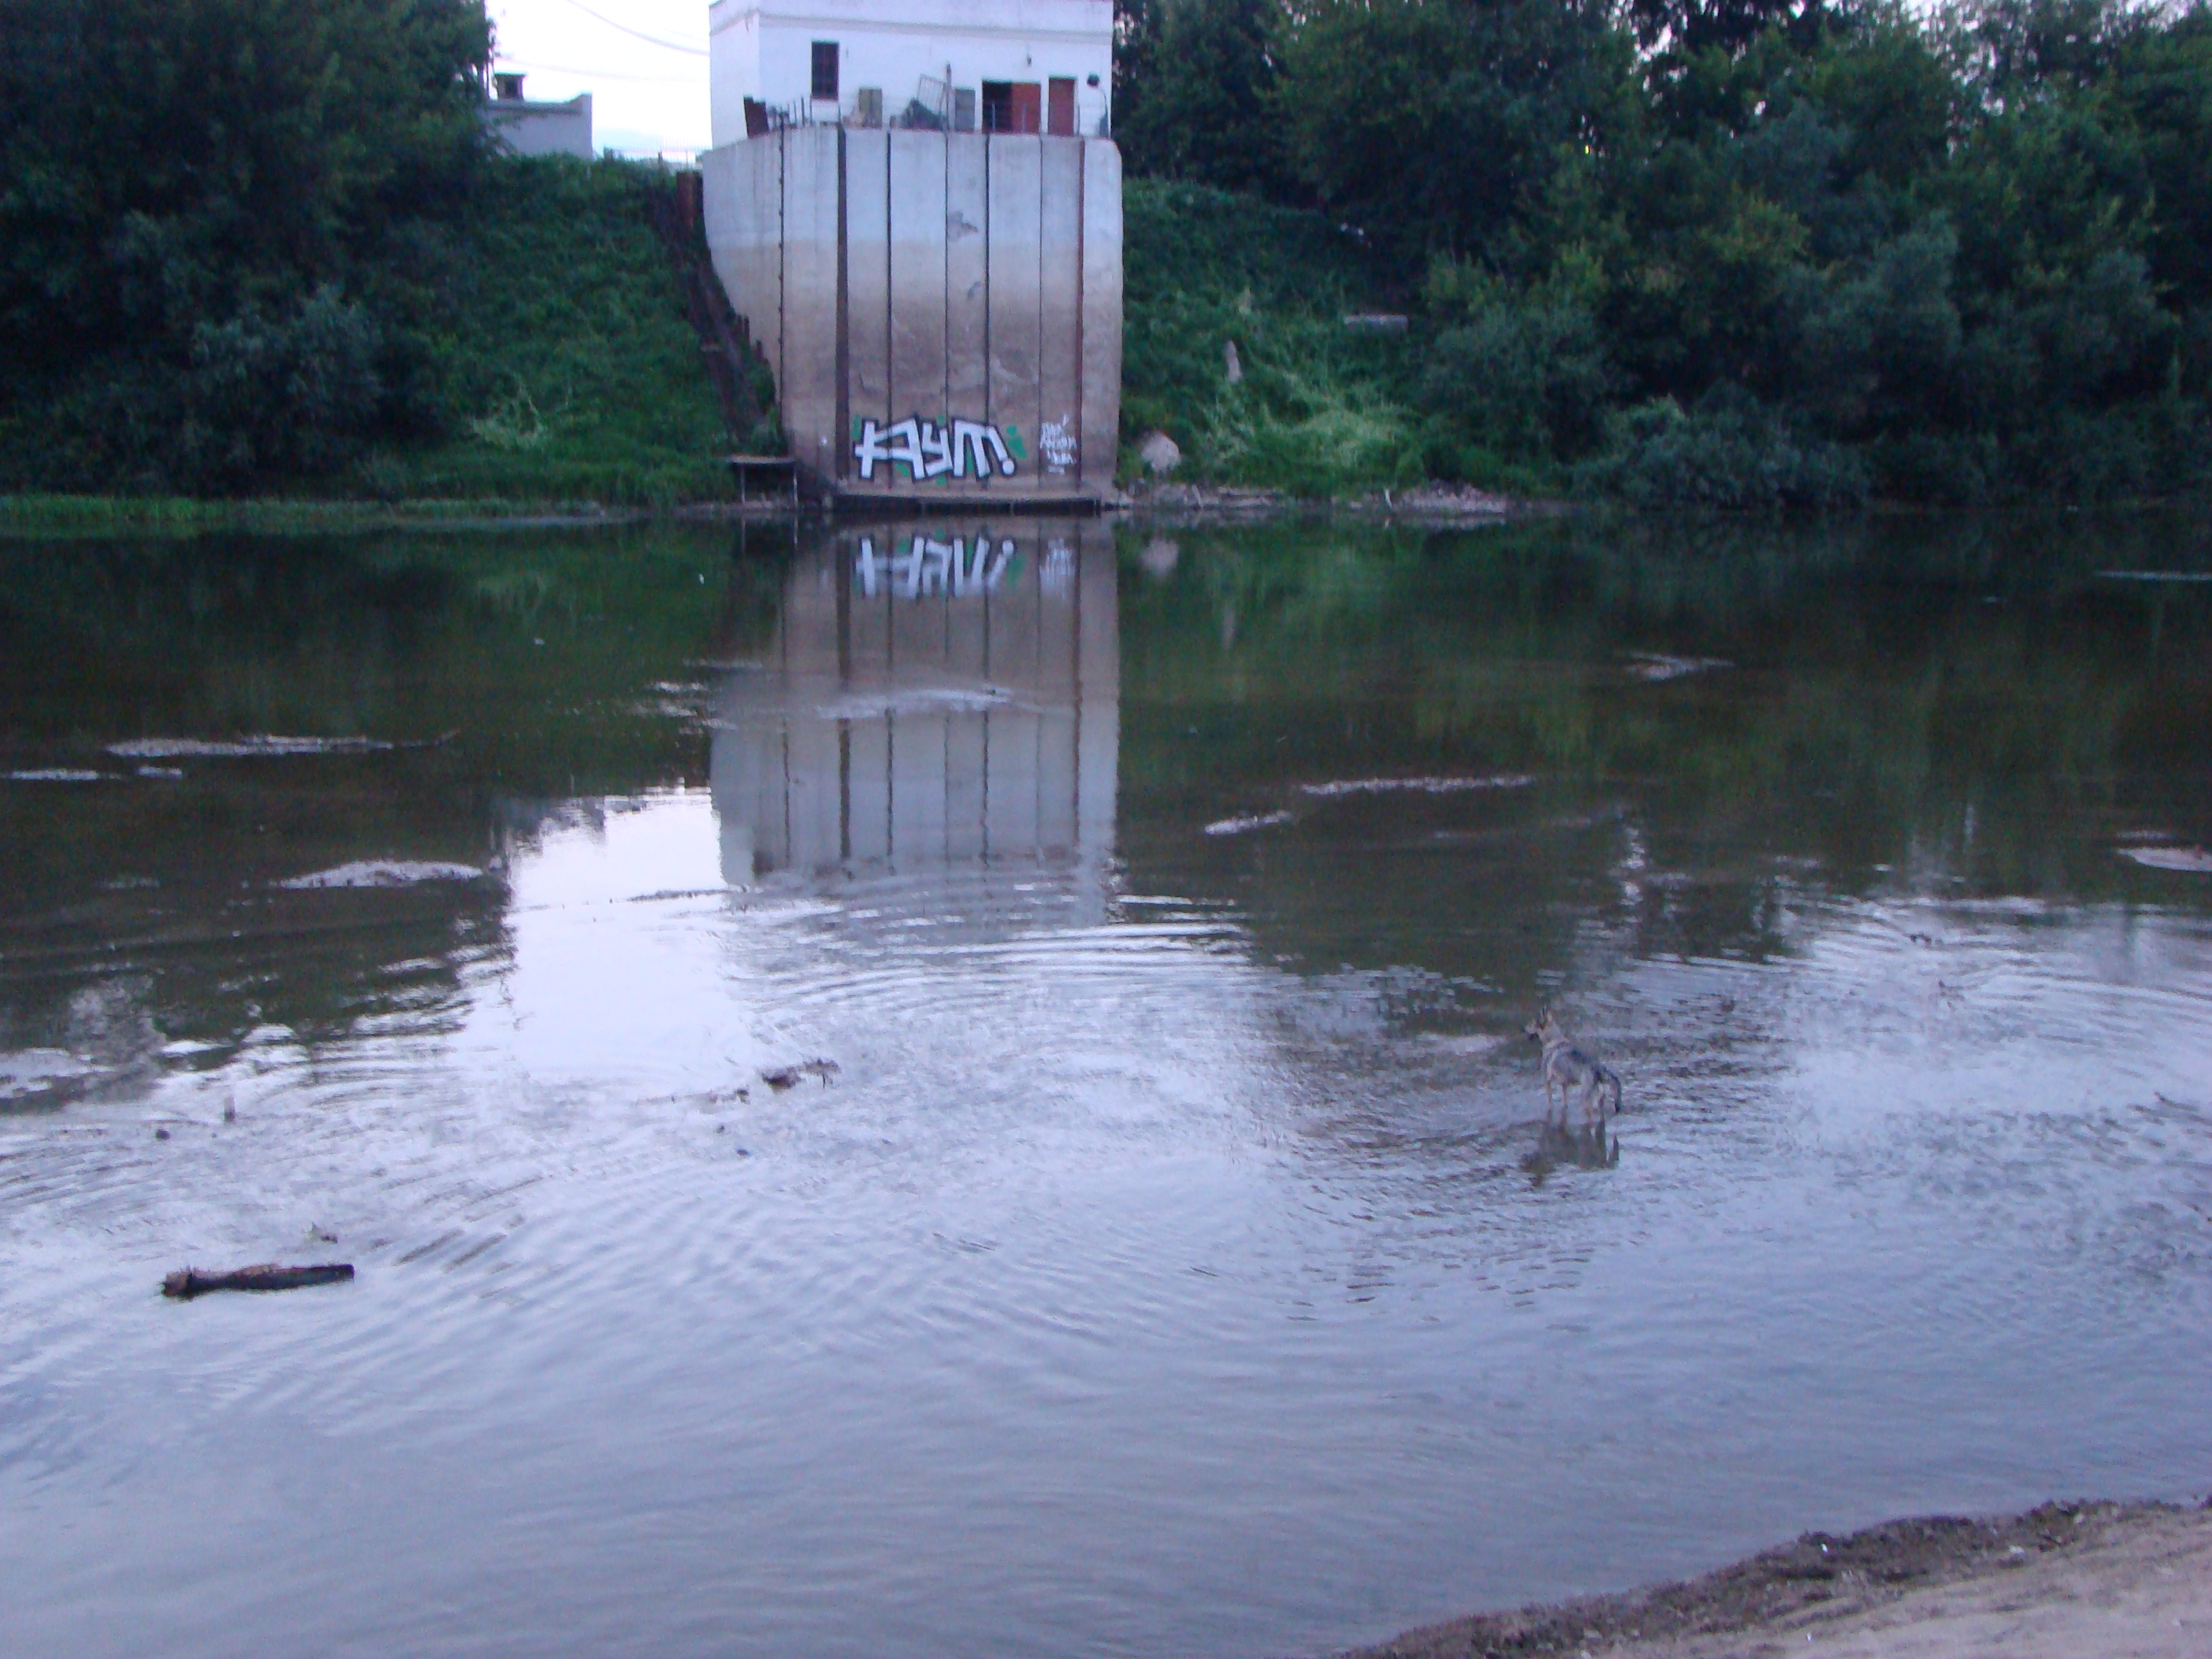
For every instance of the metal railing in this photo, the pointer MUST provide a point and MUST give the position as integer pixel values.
(954, 109)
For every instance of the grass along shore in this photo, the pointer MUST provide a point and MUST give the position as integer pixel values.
(62, 516)
(572, 379)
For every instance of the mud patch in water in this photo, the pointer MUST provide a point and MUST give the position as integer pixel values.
(383, 873)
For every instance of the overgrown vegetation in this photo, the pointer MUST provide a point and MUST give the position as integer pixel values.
(250, 246)
(1207, 273)
(562, 351)
(1744, 253)
(1749, 254)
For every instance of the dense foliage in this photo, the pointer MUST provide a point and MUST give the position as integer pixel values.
(1741, 253)
(216, 217)
(562, 348)
(1207, 272)
(1744, 253)
(247, 243)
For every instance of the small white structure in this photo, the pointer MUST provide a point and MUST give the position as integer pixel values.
(522, 126)
(1012, 66)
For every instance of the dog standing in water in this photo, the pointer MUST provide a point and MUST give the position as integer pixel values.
(1569, 1070)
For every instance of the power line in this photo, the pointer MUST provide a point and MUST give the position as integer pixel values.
(599, 74)
(638, 34)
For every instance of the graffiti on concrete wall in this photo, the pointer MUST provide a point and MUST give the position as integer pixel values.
(1058, 444)
(929, 449)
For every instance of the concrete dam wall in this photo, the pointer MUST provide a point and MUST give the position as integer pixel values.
(942, 311)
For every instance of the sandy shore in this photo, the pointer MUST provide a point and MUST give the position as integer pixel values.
(2067, 1580)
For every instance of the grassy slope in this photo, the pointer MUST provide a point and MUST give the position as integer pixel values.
(560, 350)
(573, 375)
(564, 351)
(1320, 409)
(569, 352)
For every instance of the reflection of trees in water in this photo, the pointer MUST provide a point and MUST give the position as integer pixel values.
(1949, 699)
(1903, 699)
(125, 975)
(544, 657)
(533, 647)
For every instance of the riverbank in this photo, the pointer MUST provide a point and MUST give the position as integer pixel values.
(64, 516)
(2066, 1581)
(1172, 506)
(1436, 504)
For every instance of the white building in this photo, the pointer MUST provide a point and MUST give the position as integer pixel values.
(527, 126)
(1026, 66)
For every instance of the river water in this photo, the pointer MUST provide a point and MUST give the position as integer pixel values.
(1175, 1260)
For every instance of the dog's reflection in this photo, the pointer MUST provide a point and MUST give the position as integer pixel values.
(1557, 1146)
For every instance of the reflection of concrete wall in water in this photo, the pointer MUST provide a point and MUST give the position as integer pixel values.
(934, 697)
(943, 311)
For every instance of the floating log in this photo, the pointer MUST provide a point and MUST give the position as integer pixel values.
(268, 1276)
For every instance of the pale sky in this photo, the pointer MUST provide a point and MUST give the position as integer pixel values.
(645, 97)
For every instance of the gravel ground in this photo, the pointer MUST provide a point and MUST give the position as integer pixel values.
(2067, 1580)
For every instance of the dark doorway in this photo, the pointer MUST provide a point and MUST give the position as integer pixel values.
(1059, 106)
(825, 68)
(1012, 105)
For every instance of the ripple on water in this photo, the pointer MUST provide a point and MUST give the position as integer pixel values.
(1175, 1260)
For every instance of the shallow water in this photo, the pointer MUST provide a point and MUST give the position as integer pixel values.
(1176, 1261)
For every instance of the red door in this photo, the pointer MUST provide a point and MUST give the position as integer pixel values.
(1025, 106)
(1060, 108)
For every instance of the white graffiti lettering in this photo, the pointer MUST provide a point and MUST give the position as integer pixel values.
(895, 445)
(1058, 576)
(929, 450)
(869, 450)
(1058, 444)
(984, 445)
(936, 447)
(928, 566)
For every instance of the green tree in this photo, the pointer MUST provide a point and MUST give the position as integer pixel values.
(1203, 73)
(188, 186)
(1439, 124)
(1136, 66)
(2162, 86)
(1687, 27)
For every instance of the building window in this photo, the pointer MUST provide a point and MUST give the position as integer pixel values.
(825, 70)
(1059, 106)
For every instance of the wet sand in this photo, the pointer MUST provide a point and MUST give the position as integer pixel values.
(2067, 1581)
